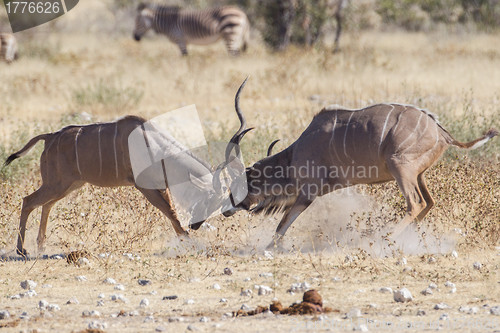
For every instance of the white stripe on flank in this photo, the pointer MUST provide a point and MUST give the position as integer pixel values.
(114, 148)
(345, 134)
(423, 134)
(332, 139)
(100, 152)
(76, 150)
(383, 129)
(412, 133)
(399, 119)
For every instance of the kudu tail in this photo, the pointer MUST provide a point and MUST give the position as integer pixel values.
(474, 143)
(26, 148)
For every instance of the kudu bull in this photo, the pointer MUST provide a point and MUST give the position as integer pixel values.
(341, 148)
(97, 154)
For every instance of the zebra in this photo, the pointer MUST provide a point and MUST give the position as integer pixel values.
(8, 47)
(184, 26)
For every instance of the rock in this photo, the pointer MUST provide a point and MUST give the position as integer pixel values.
(192, 328)
(403, 295)
(43, 304)
(463, 309)
(444, 316)
(93, 314)
(149, 319)
(53, 307)
(426, 291)
(144, 303)
(175, 319)
(120, 287)
(432, 285)
(246, 293)
(4, 314)
(266, 275)
(169, 298)
(189, 301)
(46, 286)
(477, 265)
(143, 282)
(109, 281)
(223, 300)
(407, 269)
(385, 290)
(83, 262)
(28, 284)
(15, 296)
(441, 306)
(81, 278)
(421, 313)
(454, 254)
(160, 329)
(247, 279)
(72, 300)
(299, 287)
(29, 293)
(118, 297)
(336, 279)
(97, 325)
(449, 284)
(245, 307)
(268, 255)
(431, 260)
(265, 290)
(101, 295)
(473, 310)
(216, 286)
(228, 271)
(495, 310)
(353, 313)
(204, 320)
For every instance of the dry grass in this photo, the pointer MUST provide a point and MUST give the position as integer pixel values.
(55, 81)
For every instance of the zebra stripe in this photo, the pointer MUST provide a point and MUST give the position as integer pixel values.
(195, 27)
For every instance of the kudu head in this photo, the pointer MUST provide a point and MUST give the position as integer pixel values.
(239, 181)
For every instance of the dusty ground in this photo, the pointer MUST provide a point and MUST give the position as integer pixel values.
(62, 75)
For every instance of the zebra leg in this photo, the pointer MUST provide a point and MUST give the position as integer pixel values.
(182, 47)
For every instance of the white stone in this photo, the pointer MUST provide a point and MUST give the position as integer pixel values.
(299, 287)
(204, 320)
(268, 255)
(495, 310)
(432, 285)
(426, 291)
(28, 284)
(449, 284)
(246, 293)
(402, 262)
(175, 319)
(441, 306)
(81, 278)
(4, 314)
(353, 313)
(223, 300)
(477, 265)
(454, 254)
(403, 295)
(245, 307)
(43, 304)
(29, 293)
(97, 325)
(361, 328)
(73, 300)
(149, 319)
(266, 275)
(216, 286)
(53, 307)
(264, 290)
(118, 297)
(119, 287)
(189, 301)
(109, 281)
(385, 290)
(83, 262)
(101, 295)
(144, 303)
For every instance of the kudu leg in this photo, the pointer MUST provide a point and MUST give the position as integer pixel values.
(42, 231)
(427, 197)
(158, 200)
(45, 195)
(290, 216)
(410, 188)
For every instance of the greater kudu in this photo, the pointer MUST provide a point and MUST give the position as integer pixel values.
(341, 148)
(99, 154)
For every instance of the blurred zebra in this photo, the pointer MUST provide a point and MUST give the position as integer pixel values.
(8, 47)
(183, 26)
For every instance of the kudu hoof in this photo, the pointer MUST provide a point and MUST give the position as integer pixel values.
(22, 252)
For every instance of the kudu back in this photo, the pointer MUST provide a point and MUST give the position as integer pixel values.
(97, 154)
(341, 148)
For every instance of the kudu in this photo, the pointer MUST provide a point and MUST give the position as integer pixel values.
(341, 148)
(97, 154)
